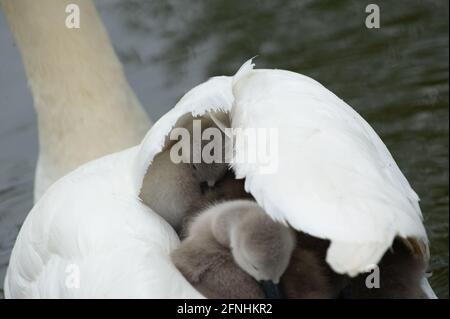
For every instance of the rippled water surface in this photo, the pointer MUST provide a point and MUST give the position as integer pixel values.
(395, 76)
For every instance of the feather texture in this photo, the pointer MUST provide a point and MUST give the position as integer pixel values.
(92, 226)
(336, 179)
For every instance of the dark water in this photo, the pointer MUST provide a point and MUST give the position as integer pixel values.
(395, 76)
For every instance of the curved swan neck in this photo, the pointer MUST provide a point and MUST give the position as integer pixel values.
(84, 104)
(58, 58)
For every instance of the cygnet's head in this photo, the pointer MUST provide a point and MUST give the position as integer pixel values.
(263, 249)
(207, 175)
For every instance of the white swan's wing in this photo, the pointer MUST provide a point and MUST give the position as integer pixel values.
(334, 177)
(90, 237)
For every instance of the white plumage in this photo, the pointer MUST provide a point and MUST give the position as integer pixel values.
(335, 180)
(90, 222)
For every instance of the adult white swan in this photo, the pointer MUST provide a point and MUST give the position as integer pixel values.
(84, 104)
(335, 180)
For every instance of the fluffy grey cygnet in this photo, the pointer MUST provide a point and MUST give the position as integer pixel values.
(235, 250)
(171, 188)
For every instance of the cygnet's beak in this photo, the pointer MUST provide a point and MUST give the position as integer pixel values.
(271, 289)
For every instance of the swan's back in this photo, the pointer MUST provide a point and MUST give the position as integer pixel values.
(90, 231)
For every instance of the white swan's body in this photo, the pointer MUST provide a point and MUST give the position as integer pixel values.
(96, 242)
(84, 104)
(336, 180)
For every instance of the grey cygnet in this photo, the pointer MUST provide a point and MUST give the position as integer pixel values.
(235, 250)
(171, 188)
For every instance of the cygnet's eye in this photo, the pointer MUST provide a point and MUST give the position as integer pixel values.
(254, 267)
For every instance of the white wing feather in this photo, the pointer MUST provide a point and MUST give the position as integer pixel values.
(335, 178)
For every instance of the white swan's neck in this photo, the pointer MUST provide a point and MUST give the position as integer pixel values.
(85, 106)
